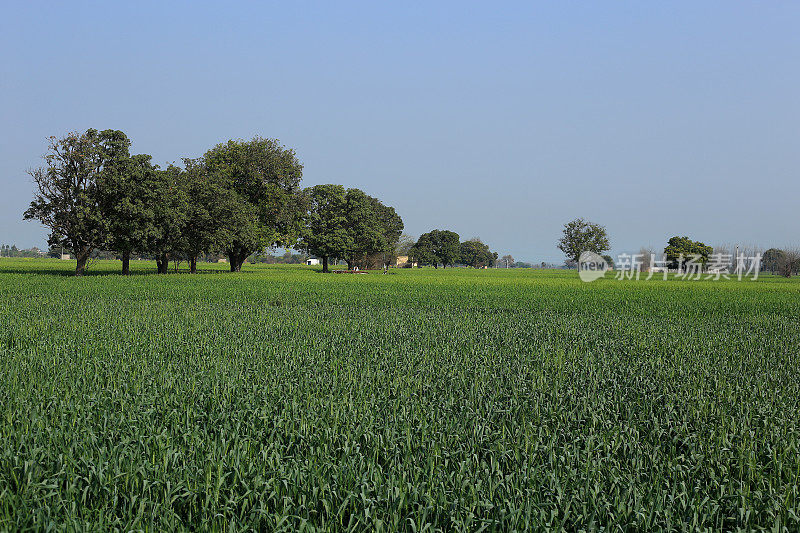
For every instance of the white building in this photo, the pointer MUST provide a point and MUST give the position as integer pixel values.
(312, 261)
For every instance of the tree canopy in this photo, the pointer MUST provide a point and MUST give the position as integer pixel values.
(772, 259)
(437, 247)
(72, 188)
(348, 224)
(681, 250)
(580, 236)
(326, 232)
(266, 177)
(476, 254)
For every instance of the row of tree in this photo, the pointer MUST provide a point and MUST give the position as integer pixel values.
(348, 224)
(580, 235)
(444, 247)
(239, 198)
(11, 250)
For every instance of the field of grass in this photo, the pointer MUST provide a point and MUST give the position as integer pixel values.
(282, 398)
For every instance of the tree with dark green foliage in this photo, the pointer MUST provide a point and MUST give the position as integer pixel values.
(131, 205)
(348, 224)
(422, 252)
(71, 190)
(266, 175)
(390, 225)
(437, 247)
(771, 260)
(212, 210)
(169, 215)
(325, 233)
(580, 236)
(680, 250)
(476, 254)
(363, 226)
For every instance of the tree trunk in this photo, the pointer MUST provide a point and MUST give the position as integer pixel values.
(237, 256)
(349, 265)
(325, 263)
(126, 263)
(233, 258)
(163, 263)
(193, 264)
(82, 257)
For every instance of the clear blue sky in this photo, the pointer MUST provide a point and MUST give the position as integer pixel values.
(502, 121)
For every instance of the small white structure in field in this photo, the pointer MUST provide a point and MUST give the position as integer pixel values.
(65, 257)
(312, 261)
(222, 260)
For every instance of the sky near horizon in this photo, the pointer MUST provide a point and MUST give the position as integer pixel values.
(497, 120)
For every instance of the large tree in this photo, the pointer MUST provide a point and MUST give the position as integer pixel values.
(350, 225)
(476, 254)
(267, 176)
(364, 227)
(169, 215)
(131, 206)
(437, 247)
(325, 233)
(211, 211)
(72, 193)
(390, 225)
(680, 250)
(580, 236)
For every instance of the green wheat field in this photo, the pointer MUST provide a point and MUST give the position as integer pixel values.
(280, 398)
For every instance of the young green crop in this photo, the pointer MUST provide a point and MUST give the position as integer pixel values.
(280, 398)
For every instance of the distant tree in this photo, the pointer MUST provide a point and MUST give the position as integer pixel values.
(581, 236)
(609, 261)
(437, 247)
(326, 233)
(348, 224)
(266, 175)
(646, 256)
(71, 190)
(789, 263)
(507, 260)
(772, 259)
(680, 250)
(476, 254)
(13, 251)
